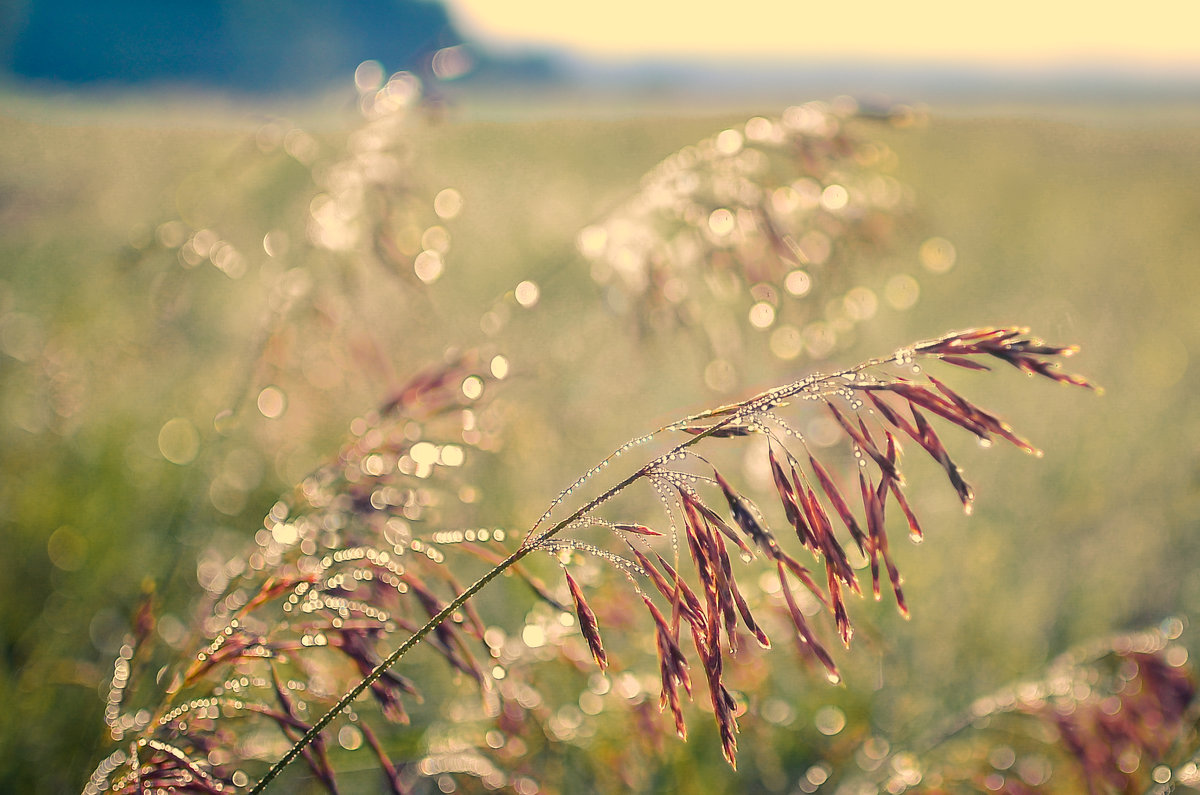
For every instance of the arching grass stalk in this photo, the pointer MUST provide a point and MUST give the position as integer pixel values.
(530, 544)
(713, 613)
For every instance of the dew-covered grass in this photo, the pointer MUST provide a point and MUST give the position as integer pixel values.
(152, 410)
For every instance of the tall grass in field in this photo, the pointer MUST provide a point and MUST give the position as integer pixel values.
(384, 630)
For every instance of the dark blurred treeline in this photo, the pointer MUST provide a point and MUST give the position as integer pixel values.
(238, 45)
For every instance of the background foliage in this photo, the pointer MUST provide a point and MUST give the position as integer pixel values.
(1082, 229)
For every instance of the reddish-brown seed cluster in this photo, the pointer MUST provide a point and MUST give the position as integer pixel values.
(879, 407)
(1115, 738)
(163, 769)
(1114, 723)
(343, 577)
(1010, 344)
(587, 622)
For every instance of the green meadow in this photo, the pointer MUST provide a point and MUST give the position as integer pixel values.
(153, 409)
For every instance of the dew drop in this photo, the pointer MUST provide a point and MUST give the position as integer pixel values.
(350, 737)
(428, 266)
(721, 222)
(178, 441)
(937, 254)
(527, 294)
(272, 402)
(499, 367)
(472, 387)
(448, 203)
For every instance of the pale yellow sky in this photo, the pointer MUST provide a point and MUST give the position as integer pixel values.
(1130, 32)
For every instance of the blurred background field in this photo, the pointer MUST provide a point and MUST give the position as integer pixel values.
(156, 399)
